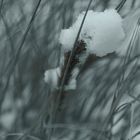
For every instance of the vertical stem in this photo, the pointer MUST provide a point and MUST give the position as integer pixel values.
(62, 84)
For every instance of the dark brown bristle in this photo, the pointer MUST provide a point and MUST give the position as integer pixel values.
(80, 48)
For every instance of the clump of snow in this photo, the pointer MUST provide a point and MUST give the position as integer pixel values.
(67, 38)
(52, 76)
(102, 32)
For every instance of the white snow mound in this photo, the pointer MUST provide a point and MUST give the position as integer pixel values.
(102, 32)
(52, 76)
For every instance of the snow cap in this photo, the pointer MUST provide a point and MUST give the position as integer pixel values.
(102, 32)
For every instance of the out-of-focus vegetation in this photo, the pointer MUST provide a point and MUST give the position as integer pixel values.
(29, 33)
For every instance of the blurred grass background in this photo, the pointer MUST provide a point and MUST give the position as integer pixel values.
(28, 48)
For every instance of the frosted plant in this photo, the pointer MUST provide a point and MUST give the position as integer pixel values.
(100, 35)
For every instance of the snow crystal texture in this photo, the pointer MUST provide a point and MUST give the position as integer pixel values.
(102, 32)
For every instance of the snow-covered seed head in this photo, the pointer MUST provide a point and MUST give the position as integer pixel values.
(102, 32)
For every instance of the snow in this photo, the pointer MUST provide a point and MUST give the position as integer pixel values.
(51, 77)
(67, 38)
(102, 32)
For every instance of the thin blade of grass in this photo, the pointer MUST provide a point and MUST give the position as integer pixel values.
(14, 60)
(120, 6)
(59, 94)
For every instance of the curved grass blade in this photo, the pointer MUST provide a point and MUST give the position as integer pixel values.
(120, 6)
